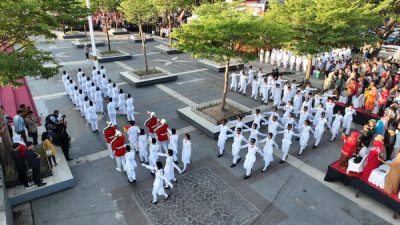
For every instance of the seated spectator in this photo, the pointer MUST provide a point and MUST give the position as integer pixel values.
(393, 176)
(20, 166)
(33, 160)
(372, 161)
(49, 149)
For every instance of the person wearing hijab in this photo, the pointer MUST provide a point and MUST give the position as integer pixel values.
(349, 147)
(372, 161)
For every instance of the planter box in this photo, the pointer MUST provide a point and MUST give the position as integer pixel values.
(141, 81)
(168, 50)
(74, 35)
(206, 124)
(218, 67)
(113, 57)
(119, 31)
(81, 44)
(137, 39)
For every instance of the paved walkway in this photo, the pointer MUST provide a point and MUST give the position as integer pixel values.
(210, 192)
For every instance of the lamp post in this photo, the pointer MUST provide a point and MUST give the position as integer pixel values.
(94, 52)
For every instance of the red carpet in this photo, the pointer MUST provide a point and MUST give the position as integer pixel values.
(11, 98)
(336, 166)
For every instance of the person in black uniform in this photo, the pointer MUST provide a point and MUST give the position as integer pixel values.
(20, 165)
(33, 160)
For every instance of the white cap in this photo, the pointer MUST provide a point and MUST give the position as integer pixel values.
(163, 121)
(118, 133)
(152, 113)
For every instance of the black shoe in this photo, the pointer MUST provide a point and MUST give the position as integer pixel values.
(141, 162)
(239, 160)
(314, 147)
(41, 184)
(297, 139)
(167, 187)
(262, 171)
(233, 165)
(176, 162)
(69, 159)
(299, 154)
(246, 177)
(154, 203)
(153, 174)
(280, 162)
(167, 198)
(134, 181)
(220, 155)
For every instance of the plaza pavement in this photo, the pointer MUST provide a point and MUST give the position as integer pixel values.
(210, 192)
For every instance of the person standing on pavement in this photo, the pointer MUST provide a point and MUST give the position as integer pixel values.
(33, 160)
(19, 125)
(86, 51)
(20, 165)
(64, 139)
(32, 128)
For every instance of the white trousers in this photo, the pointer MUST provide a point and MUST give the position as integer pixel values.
(110, 152)
(120, 162)
(94, 124)
(113, 118)
(130, 114)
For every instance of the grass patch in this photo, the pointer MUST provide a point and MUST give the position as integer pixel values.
(149, 72)
(109, 52)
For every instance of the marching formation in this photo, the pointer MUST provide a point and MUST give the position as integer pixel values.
(305, 112)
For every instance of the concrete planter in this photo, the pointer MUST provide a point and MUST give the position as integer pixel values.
(220, 67)
(168, 50)
(141, 81)
(119, 31)
(136, 38)
(113, 57)
(207, 124)
(74, 35)
(81, 44)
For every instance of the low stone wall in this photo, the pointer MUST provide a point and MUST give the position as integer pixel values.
(6, 216)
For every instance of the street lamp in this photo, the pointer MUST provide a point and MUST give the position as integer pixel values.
(94, 52)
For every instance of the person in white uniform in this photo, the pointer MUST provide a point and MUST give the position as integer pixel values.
(337, 123)
(238, 138)
(242, 83)
(234, 81)
(251, 73)
(268, 150)
(186, 152)
(305, 135)
(133, 132)
(158, 184)
(130, 164)
(142, 144)
(287, 141)
(153, 153)
(348, 118)
(102, 70)
(258, 118)
(98, 98)
(254, 89)
(267, 55)
(121, 102)
(223, 132)
(173, 143)
(130, 108)
(320, 129)
(170, 166)
(91, 117)
(261, 55)
(250, 158)
(112, 112)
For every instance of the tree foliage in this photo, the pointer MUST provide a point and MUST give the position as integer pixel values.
(22, 21)
(316, 26)
(68, 12)
(223, 32)
(138, 11)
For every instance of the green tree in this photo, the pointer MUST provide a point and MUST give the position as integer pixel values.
(68, 13)
(316, 26)
(140, 12)
(390, 12)
(168, 7)
(106, 7)
(221, 32)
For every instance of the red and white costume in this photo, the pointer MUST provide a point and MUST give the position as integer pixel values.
(118, 147)
(151, 124)
(109, 135)
(162, 135)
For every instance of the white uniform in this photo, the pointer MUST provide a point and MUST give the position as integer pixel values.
(261, 55)
(92, 93)
(130, 165)
(348, 118)
(91, 117)
(319, 129)
(297, 102)
(153, 156)
(268, 151)
(114, 94)
(250, 157)
(251, 76)
(273, 128)
(242, 83)
(254, 89)
(267, 54)
(169, 167)
(234, 81)
(223, 132)
(273, 57)
(98, 99)
(130, 109)
(304, 136)
(186, 153)
(287, 142)
(81, 102)
(158, 184)
(173, 145)
(133, 132)
(236, 146)
(337, 122)
(298, 63)
(329, 106)
(142, 141)
(257, 119)
(112, 112)
(122, 103)
(104, 86)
